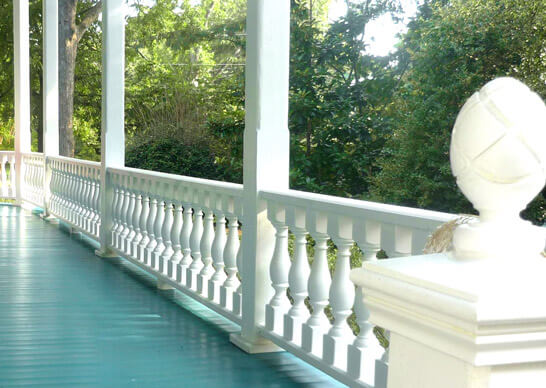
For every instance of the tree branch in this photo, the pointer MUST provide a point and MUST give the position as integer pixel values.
(89, 17)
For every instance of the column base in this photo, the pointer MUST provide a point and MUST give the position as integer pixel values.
(163, 285)
(261, 345)
(105, 254)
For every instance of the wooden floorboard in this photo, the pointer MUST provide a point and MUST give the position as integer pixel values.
(69, 318)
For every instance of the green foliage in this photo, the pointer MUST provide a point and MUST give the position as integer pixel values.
(168, 155)
(450, 51)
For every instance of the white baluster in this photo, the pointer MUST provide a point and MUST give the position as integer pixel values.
(195, 244)
(115, 209)
(122, 202)
(206, 254)
(342, 295)
(96, 218)
(366, 349)
(140, 249)
(297, 278)
(151, 231)
(185, 239)
(230, 261)
(175, 240)
(218, 245)
(134, 240)
(130, 232)
(238, 294)
(12, 176)
(319, 286)
(402, 241)
(4, 176)
(158, 228)
(166, 233)
(127, 202)
(278, 271)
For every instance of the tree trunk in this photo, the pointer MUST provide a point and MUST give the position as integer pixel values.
(68, 46)
(70, 34)
(40, 106)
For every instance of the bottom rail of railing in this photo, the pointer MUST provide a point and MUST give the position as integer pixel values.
(338, 374)
(165, 281)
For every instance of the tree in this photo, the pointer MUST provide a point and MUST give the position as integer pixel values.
(451, 50)
(337, 93)
(75, 18)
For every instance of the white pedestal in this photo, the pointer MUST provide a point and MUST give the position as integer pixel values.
(462, 324)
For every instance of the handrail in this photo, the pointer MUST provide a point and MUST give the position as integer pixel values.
(196, 183)
(400, 215)
(66, 159)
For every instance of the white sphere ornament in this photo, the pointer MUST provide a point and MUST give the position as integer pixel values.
(498, 155)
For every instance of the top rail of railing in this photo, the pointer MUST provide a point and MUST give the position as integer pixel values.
(227, 188)
(400, 215)
(75, 161)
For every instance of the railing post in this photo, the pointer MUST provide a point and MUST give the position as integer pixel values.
(475, 316)
(22, 88)
(113, 105)
(266, 156)
(50, 23)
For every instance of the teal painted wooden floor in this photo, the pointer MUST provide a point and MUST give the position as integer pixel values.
(68, 318)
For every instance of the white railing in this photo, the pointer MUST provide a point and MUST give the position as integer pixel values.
(329, 221)
(7, 182)
(75, 193)
(183, 230)
(33, 178)
(186, 232)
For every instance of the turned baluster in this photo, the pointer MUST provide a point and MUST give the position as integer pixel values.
(158, 229)
(130, 232)
(12, 177)
(341, 295)
(195, 244)
(166, 233)
(218, 245)
(366, 349)
(151, 231)
(135, 238)
(230, 262)
(278, 272)
(127, 203)
(115, 209)
(206, 253)
(4, 176)
(140, 246)
(319, 285)
(122, 203)
(297, 279)
(238, 295)
(176, 230)
(185, 238)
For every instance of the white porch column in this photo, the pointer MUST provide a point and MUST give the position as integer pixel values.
(50, 21)
(113, 105)
(266, 155)
(22, 86)
(475, 317)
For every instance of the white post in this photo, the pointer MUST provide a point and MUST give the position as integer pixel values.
(266, 155)
(50, 21)
(22, 88)
(113, 105)
(475, 317)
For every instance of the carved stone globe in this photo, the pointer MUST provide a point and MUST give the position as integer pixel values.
(498, 155)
